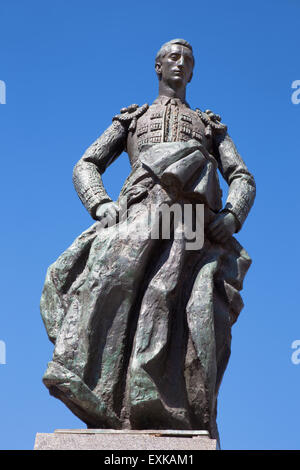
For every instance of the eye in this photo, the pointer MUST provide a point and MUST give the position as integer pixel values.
(174, 56)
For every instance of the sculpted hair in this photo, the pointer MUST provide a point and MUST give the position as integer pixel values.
(165, 47)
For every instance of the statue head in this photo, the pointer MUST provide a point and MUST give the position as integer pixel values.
(174, 63)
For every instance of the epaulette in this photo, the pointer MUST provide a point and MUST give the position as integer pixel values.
(211, 121)
(131, 114)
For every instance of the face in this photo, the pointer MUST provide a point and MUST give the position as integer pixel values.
(176, 67)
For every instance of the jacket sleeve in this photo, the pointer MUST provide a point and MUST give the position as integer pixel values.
(242, 189)
(87, 172)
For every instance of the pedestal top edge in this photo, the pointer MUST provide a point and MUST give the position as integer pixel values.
(155, 432)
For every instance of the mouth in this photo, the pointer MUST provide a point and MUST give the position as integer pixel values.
(178, 72)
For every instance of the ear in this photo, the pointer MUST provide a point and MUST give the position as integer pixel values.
(158, 68)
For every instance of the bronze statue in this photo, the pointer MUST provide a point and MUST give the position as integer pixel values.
(142, 325)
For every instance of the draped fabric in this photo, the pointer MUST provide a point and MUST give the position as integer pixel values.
(142, 326)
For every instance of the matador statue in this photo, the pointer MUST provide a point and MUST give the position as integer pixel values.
(142, 325)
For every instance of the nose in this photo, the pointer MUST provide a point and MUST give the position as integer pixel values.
(180, 61)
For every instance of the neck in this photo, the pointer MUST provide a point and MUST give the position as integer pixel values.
(167, 90)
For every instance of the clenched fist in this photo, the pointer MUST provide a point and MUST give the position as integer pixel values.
(107, 213)
(222, 227)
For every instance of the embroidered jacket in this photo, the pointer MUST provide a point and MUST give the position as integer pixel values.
(166, 120)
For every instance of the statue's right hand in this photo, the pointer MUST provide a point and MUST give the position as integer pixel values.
(107, 213)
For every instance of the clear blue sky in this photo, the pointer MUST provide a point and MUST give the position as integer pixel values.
(69, 66)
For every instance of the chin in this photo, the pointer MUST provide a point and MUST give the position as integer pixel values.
(177, 80)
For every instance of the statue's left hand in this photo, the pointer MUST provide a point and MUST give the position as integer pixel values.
(222, 227)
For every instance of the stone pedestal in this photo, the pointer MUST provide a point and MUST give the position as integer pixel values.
(111, 439)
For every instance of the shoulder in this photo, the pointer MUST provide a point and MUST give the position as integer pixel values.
(129, 116)
(212, 122)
